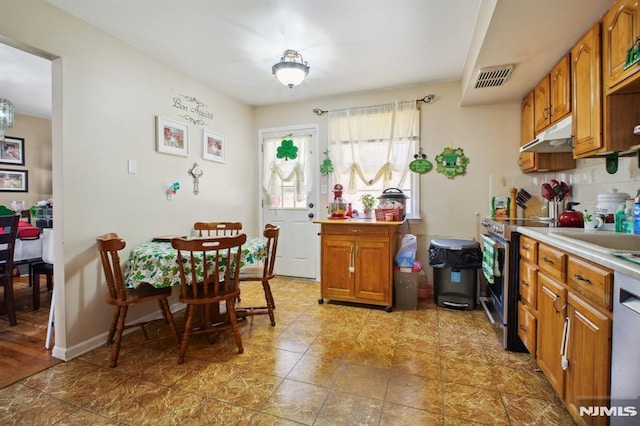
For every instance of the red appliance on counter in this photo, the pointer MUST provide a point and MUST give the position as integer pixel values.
(571, 218)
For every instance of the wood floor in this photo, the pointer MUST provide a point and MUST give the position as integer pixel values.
(22, 351)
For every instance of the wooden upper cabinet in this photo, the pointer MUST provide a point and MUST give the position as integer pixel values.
(552, 96)
(531, 161)
(560, 89)
(620, 30)
(586, 80)
(527, 133)
(541, 101)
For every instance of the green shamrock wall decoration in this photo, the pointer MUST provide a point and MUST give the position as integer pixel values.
(287, 150)
(452, 162)
(327, 166)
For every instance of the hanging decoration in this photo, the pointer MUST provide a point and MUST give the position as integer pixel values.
(420, 165)
(287, 150)
(452, 162)
(195, 172)
(327, 166)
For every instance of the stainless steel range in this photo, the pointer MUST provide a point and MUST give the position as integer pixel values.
(499, 298)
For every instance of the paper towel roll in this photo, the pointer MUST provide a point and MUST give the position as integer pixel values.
(47, 245)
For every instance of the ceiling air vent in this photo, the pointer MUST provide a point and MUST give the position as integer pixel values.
(493, 77)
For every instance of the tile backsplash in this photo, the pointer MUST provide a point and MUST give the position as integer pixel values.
(586, 181)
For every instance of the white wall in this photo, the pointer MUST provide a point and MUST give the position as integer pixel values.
(108, 98)
(36, 132)
(488, 135)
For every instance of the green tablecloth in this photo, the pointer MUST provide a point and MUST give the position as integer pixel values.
(156, 262)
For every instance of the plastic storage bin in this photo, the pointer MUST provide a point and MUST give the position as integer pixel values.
(406, 288)
(455, 272)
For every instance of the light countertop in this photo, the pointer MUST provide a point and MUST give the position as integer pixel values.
(357, 221)
(579, 248)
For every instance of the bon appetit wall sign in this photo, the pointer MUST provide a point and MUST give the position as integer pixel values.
(194, 110)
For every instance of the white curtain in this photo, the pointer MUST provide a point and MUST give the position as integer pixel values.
(279, 170)
(373, 145)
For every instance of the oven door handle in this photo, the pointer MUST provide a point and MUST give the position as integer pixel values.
(487, 311)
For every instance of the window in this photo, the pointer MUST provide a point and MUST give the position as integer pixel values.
(371, 148)
(287, 179)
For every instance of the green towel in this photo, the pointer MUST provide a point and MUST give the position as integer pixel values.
(490, 262)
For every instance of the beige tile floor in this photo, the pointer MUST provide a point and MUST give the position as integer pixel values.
(322, 364)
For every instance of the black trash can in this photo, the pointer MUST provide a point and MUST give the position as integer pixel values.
(455, 272)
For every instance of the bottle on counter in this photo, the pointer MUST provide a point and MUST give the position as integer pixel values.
(629, 222)
(636, 214)
(620, 218)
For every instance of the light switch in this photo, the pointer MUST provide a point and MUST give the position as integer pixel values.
(323, 189)
(133, 167)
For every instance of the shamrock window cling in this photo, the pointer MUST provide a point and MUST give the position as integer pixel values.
(326, 167)
(287, 150)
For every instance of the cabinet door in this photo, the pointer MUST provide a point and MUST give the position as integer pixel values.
(527, 133)
(373, 271)
(560, 81)
(620, 29)
(528, 283)
(527, 328)
(587, 94)
(337, 258)
(541, 100)
(551, 301)
(589, 353)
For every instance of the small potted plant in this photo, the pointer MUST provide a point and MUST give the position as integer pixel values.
(368, 201)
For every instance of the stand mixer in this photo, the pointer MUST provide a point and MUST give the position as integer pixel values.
(338, 207)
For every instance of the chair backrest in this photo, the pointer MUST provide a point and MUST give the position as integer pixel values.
(9, 230)
(109, 246)
(217, 229)
(220, 271)
(271, 233)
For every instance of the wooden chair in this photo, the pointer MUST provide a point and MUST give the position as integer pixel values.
(8, 232)
(35, 270)
(262, 273)
(121, 297)
(217, 229)
(204, 284)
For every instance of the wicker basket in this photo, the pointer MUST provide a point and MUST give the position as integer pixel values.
(381, 214)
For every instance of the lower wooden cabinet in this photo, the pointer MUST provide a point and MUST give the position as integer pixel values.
(571, 320)
(527, 328)
(588, 372)
(357, 261)
(551, 305)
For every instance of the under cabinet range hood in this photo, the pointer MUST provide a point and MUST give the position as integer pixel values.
(556, 138)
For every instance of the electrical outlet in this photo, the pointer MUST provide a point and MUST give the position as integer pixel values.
(323, 189)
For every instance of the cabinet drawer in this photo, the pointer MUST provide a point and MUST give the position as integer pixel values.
(349, 230)
(529, 249)
(527, 324)
(552, 262)
(528, 283)
(591, 280)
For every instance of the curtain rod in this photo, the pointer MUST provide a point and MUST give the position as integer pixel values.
(427, 99)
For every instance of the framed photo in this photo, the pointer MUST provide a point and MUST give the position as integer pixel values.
(12, 151)
(214, 147)
(13, 180)
(172, 137)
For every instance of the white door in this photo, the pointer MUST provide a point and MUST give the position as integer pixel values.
(288, 188)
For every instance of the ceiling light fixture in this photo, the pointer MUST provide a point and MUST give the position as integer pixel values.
(291, 70)
(6, 116)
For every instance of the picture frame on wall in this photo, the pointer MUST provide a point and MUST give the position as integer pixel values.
(214, 146)
(12, 151)
(14, 180)
(172, 137)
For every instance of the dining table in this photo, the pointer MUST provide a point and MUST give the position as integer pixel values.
(156, 262)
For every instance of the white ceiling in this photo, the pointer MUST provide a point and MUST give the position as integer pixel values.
(350, 45)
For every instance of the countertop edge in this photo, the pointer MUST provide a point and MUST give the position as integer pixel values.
(607, 260)
(357, 222)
